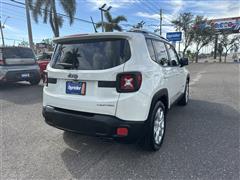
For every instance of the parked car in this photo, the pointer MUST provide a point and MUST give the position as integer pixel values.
(116, 84)
(18, 64)
(43, 60)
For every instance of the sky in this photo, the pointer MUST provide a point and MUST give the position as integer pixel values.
(15, 28)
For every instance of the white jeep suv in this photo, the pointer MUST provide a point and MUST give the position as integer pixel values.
(116, 84)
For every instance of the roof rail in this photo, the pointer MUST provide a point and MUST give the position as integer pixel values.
(146, 32)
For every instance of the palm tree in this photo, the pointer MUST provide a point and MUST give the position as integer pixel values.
(112, 23)
(47, 10)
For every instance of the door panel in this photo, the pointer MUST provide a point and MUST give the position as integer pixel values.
(174, 62)
(170, 76)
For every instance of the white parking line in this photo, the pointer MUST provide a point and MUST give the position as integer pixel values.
(197, 78)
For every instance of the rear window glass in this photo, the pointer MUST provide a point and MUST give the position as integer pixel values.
(91, 54)
(13, 53)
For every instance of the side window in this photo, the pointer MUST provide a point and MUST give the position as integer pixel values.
(173, 57)
(150, 49)
(161, 53)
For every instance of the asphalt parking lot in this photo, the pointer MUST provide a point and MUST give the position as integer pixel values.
(202, 139)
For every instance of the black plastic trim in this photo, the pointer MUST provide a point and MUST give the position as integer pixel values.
(158, 95)
(107, 84)
(92, 124)
(52, 80)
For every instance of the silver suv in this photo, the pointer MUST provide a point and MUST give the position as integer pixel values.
(18, 64)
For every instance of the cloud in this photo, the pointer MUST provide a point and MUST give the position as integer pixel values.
(178, 6)
(167, 18)
(215, 9)
(12, 29)
(95, 4)
(148, 15)
(209, 9)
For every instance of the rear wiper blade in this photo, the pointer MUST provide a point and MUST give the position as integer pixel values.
(67, 65)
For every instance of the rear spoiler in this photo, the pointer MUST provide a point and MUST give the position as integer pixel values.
(91, 36)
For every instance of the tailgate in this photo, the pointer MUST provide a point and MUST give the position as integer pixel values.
(85, 72)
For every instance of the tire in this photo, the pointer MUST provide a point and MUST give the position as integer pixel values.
(185, 98)
(156, 124)
(34, 82)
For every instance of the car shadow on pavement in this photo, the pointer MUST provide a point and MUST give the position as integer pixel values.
(201, 142)
(21, 93)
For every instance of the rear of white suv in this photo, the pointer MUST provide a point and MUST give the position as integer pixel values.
(85, 79)
(104, 84)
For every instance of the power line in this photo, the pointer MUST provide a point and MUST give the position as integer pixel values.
(154, 5)
(149, 7)
(60, 14)
(143, 7)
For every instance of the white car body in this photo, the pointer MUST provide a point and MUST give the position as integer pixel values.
(133, 106)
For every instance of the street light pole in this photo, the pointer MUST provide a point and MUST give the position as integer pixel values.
(103, 10)
(102, 19)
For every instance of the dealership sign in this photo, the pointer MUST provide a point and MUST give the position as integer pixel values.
(231, 25)
(174, 36)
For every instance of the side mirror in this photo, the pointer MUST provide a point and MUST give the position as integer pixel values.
(183, 62)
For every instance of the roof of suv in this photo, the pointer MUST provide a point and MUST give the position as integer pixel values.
(132, 33)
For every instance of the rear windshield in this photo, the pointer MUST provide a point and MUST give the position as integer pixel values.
(91, 54)
(14, 53)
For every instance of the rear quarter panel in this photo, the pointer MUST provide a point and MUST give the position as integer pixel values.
(135, 106)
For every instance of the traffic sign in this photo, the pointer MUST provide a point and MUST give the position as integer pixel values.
(174, 36)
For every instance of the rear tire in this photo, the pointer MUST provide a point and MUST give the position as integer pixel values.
(34, 82)
(184, 100)
(156, 127)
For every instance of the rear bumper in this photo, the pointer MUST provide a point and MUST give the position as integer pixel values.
(92, 124)
(16, 75)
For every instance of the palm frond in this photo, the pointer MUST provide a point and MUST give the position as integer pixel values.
(99, 24)
(118, 28)
(108, 16)
(60, 21)
(46, 13)
(118, 19)
(69, 7)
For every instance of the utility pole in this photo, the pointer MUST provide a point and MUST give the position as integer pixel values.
(215, 46)
(160, 22)
(1, 27)
(29, 26)
(103, 10)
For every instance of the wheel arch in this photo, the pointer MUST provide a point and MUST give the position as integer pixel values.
(161, 95)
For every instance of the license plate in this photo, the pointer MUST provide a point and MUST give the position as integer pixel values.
(25, 75)
(78, 88)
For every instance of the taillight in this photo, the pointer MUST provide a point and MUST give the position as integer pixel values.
(122, 131)
(129, 81)
(2, 62)
(45, 78)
